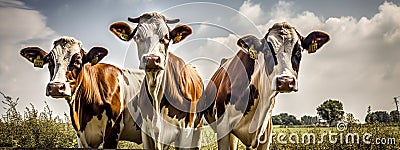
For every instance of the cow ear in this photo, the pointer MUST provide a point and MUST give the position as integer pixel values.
(122, 30)
(314, 41)
(95, 55)
(180, 32)
(249, 41)
(251, 44)
(35, 55)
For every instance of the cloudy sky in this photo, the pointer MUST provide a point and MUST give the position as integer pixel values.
(360, 66)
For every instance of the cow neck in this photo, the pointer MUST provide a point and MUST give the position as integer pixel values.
(74, 105)
(173, 93)
(262, 116)
(155, 84)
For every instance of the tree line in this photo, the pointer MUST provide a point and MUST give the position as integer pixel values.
(331, 111)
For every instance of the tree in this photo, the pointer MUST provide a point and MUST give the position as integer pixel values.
(309, 120)
(276, 120)
(378, 116)
(368, 118)
(394, 116)
(285, 119)
(351, 119)
(331, 110)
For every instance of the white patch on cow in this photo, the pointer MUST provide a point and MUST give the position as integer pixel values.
(156, 86)
(94, 131)
(132, 87)
(172, 126)
(122, 92)
(283, 41)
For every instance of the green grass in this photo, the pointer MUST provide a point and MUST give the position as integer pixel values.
(34, 129)
(376, 131)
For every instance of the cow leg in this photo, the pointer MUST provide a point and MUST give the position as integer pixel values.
(82, 142)
(196, 138)
(224, 142)
(112, 133)
(184, 139)
(148, 142)
(268, 135)
(233, 142)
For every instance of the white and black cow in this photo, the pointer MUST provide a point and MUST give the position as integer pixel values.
(97, 94)
(171, 88)
(241, 94)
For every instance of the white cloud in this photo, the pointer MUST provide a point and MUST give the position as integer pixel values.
(359, 66)
(251, 11)
(21, 26)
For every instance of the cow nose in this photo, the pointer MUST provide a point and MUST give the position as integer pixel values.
(153, 61)
(286, 84)
(55, 89)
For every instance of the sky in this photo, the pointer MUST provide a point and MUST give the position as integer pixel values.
(360, 65)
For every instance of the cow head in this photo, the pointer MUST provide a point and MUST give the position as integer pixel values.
(65, 62)
(281, 50)
(152, 36)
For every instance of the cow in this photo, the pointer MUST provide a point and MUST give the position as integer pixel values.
(241, 94)
(97, 93)
(171, 89)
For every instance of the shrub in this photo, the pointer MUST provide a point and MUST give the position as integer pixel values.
(34, 129)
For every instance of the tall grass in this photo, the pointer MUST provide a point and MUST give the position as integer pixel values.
(34, 129)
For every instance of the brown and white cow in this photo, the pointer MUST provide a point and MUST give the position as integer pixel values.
(241, 94)
(171, 88)
(97, 94)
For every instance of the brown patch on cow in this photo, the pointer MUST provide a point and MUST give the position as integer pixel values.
(247, 62)
(97, 91)
(222, 84)
(254, 94)
(172, 111)
(126, 79)
(191, 86)
(190, 83)
(183, 87)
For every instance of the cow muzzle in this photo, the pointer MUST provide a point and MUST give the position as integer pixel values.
(152, 62)
(56, 90)
(286, 84)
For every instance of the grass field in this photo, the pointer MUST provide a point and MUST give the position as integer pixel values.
(389, 135)
(42, 130)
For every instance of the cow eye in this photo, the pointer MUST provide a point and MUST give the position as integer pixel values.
(164, 41)
(137, 36)
(70, 67)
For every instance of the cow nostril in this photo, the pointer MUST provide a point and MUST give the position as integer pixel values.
(158, 60)
(62, 87)
(292, 82)
(48, 88)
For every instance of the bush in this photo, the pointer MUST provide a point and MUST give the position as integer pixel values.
(34, 129)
